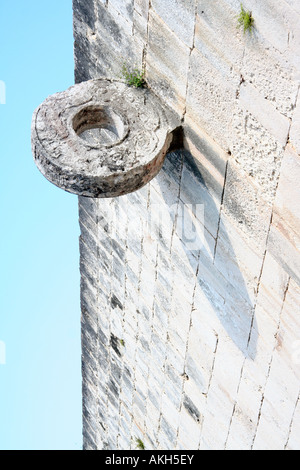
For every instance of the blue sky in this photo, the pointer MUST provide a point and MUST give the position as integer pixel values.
(40, 381)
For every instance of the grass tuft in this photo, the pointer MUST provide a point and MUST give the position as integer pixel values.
(133, 77)
(245, 20)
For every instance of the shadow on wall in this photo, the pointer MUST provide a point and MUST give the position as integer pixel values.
(215, 264)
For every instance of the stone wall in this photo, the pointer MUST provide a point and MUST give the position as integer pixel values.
(197, 345)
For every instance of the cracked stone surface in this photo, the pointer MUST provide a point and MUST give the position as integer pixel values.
(101, 138)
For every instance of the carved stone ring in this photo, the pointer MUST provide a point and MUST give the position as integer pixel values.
(101, 138)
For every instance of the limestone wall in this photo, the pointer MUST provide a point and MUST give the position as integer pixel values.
(197, 345)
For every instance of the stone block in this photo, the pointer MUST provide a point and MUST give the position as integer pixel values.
(250, 55)
(276, 24)
(189, 431)
(179, 15)
(257, 152)
(147, 289)
(169, 432)
(237, 260)
(241, 432)
(264, 344)
(209, 158)
(85, 60)
(167, 81)
(288, 338)
(284, 242)
(165, 273)
(162, 296)
(112, 45)
(167, 187)
(123, 7)
(273, 279)
(85, 12)
(161, 218)
(195, 194)
(280, 397)
(284, 251)
(244, 202)
(210, 293)
(216, 34)
(293, 440)
(221, 396)
(90, 238)
(238, 319)
(90, 206)
(187, 283)
(210, 440)
(142, 7)
(287, 201)
(211, 98)
(200, 356)
(88, 294)
(246, 414)
(172, 166)
(260, 62)
(179, 315)
(182, 257)
(140, 26)
(169, 410)
(263, 335)
(265, 113)
(223, 307)
(175, 359)
(88, 222)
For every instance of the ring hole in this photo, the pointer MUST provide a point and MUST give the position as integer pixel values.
(99, 126)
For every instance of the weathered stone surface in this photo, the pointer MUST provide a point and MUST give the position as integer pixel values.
(286, 202)
(260, 62)
(284, 240)
(104, 39)
(101, 138)
(265, 113)
(295, 128)
(238, 259)
(179, 15)
(124, 8)
(85, 12)
(210, 158)
(211, 97)
(272, 287)
(278, 24)
(257, 152)
(225, 48)
(244, 201)
(167, 81)
(195, 192)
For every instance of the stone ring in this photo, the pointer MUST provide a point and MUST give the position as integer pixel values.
(101, 138)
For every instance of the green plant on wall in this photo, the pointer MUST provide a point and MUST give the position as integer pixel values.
(139, 444)
(245, 20)
(133, 77)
